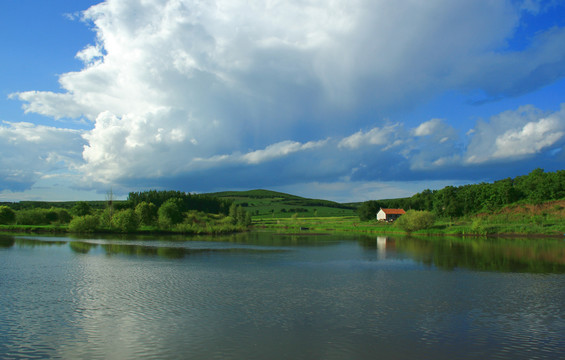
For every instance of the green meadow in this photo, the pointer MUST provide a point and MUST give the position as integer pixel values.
(266, 204)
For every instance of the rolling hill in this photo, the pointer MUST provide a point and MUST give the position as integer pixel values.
(267, 203)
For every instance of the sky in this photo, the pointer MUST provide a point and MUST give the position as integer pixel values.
(345, 100)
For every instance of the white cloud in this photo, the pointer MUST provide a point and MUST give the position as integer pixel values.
(30, 152)
(279, 150)
(428, 128)
(174, 86)
(272, 152)
(154, 144)
(516, 134)
(386, 136)
(50, 104)
(531, 138)
(348, 53)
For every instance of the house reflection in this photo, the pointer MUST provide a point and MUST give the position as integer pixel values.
(384, 245)
(381, 247)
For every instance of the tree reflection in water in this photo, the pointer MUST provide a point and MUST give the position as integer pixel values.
(530, 255)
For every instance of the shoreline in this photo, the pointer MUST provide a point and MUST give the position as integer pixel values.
(317, 227)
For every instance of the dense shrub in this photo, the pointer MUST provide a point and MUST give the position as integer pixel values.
(82, 224)
(32, 217)
(170, 213)
(415, 220)
(105, 217)
(81, 208)
(186, 201)
(197, 217)
(7, 215)
(125, 220)
(535, 188)
(478, 227)
(368, 210)
(40, 216)
(146, 212)
(63, 216)
(239, 216)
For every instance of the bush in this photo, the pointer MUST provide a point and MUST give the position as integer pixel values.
(40, 216)
(63, 216)
(146, 212)
(82, 224)
(478, 227)
(7, 215)
(239, 215)
(105, 218)
(198, 218)
(125, 220)
(415, 220)
(187, 229)
(81, 208)
(170, 213)
(32, 217)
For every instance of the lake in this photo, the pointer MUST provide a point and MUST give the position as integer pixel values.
(269, 296)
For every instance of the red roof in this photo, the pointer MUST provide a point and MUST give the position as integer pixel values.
(394, 211)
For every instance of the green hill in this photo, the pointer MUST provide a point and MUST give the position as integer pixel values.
(267, 203)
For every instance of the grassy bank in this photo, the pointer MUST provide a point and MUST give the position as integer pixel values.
(34, 228)
(338, 224)
(182, 229)
(502, 223)
(498, 224)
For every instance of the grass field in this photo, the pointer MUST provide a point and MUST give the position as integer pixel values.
(265, 204)
(336, 224)
(475, 226)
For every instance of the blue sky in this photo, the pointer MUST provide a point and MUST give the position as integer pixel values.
(341, 100)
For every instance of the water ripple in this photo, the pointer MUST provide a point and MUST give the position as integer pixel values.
(234, 301)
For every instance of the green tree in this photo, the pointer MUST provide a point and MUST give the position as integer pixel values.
(106, 217)
(81, 208)
(170, 213)
(368, 210)
(147, 213)
(83, 224)
(446, 202)
(248, 219)
(415, 220)
(125, 220)
(7, 215)
(51, 216)
(63, 216)
(233, 213)
(536, 186)
(35, 217)
(240, 214)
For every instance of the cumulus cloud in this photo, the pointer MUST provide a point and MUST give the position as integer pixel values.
(431, 127)
(530, 139)
(512, 135)
(30, 152)
(279, 150)
(174, 87)
(387, 136)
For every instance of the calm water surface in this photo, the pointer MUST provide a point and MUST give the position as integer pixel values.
(267, 296)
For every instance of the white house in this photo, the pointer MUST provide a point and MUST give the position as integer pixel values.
(389, 214)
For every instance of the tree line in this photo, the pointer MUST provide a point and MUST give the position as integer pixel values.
(188, 201)
(535, 188)
(163, 210)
